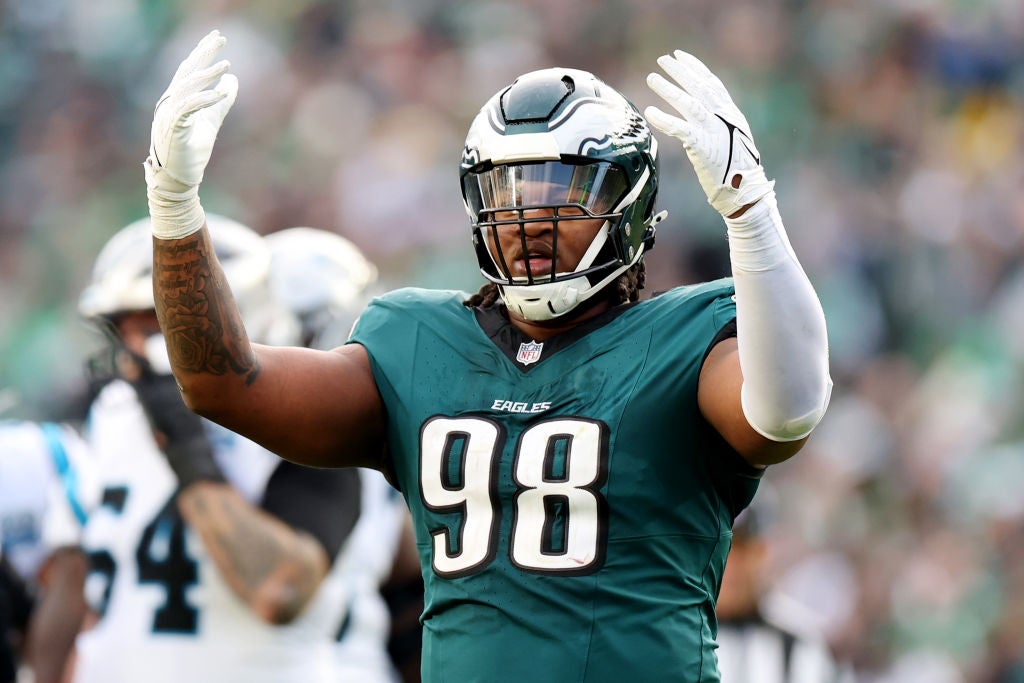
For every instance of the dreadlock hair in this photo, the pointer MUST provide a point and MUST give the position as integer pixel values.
(625, 288)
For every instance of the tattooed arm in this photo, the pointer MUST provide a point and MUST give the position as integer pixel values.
(273, 395)
(275, 557)
(268, 565)
(313, 407)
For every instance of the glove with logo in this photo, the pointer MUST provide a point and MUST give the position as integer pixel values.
(713, 131)
(179, 431)
(185, 124)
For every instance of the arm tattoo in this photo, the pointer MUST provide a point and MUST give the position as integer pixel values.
(203, 329)
(253, 553)
(250, 548)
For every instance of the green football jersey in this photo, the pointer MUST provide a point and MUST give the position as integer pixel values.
(573, 509)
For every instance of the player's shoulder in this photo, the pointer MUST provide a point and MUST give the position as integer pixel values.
(711, 301)
(711, 290)
(401, 306)
(415, 297)
(24, 440)
(19, 436)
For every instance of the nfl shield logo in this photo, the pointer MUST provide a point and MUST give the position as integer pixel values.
(529, 352)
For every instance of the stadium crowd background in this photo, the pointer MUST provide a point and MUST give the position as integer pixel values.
(895, 130)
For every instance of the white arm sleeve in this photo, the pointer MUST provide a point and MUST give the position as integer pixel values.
(781, 334)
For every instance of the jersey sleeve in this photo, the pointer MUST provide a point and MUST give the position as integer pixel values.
(736, 480)
(73, 490)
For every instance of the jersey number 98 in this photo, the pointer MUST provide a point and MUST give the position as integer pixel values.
(558, 522)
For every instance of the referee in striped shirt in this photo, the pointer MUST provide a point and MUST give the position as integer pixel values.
(754, 646)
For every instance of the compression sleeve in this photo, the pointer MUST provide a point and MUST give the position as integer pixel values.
(783, 345)
(322, 502)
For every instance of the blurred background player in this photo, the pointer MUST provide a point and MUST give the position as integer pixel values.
(322, 279)
(202, 567)
(325, 281)
(43, 466)
(15, 604)
(758, 643)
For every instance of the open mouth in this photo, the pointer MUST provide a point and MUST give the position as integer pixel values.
(538, 257)
(538, 265)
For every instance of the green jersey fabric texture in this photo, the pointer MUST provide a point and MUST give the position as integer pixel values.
(573, 514)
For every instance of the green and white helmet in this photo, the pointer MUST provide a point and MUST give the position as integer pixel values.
(560, 140)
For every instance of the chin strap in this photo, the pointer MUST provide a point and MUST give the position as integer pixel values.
(783, 344)
(569, 298)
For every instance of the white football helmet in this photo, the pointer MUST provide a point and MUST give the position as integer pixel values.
(122, 282)
(323, 279)
(560, 146)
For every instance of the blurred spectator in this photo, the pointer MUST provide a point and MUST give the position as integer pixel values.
(759, 641)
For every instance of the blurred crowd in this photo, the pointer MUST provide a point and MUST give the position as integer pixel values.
(894, 129)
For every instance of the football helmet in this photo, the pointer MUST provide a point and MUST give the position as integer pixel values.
(323, 279)
(559, 146)
(122, 282)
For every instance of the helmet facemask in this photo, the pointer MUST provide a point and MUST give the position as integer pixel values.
(558, 152)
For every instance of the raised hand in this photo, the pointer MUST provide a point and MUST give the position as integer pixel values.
(713, 131)
(186, 121)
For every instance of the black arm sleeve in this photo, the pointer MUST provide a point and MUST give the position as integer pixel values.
(322, 502)
(15, 607)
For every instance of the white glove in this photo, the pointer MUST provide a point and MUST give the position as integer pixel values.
(783, 344)
(713, 131)
(185, 124)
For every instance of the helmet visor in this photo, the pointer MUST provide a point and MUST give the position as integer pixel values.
(596, 187)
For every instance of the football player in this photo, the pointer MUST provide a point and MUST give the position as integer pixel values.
(325, 281)
(208, 554)
(573, 457)
(44, 475)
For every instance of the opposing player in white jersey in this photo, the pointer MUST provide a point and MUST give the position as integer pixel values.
(325, 281)
(41, 463)
(44, 472)
(207, 553)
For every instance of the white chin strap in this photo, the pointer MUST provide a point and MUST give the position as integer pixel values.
(547, 301)
(554, 299)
